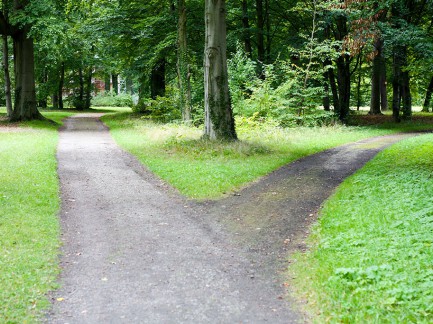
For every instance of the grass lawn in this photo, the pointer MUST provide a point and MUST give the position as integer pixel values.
(371, 256)
(201, 169)
(29, 227)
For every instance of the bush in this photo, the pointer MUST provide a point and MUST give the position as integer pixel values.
(109, 99)
(164, 109)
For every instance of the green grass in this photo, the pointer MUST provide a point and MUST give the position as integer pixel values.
(202, 169)
(29, 227)
(371, 259)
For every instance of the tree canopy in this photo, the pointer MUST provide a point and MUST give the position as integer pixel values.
(294, 61)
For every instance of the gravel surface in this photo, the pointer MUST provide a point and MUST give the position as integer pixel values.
(135, 251)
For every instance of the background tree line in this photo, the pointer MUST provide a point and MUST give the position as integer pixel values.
(294, 61)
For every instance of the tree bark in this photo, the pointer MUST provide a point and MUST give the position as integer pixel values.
(326, 100)
(61, 83)
(107, 83)
(219, 121)
(246, 29)
(88, 88)
(115, 80)
(428, 96)
(343, 70)
(157, 80)
(9, 108)
(183, 72)
(260, 31)
(376, 74)
(383, 86)
(396, 94)
(25, 107)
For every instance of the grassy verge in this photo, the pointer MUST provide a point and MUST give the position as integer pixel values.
(29, 228)
(202, 169)
(371, 259)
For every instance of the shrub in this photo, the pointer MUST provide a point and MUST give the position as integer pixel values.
(162, 109)
(110, 99)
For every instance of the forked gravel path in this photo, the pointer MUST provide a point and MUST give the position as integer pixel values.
(137, 252)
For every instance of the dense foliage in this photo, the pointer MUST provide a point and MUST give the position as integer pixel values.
(288, 59)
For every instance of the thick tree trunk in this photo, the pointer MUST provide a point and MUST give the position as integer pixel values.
(79, 99)
(183, 73)
(219, 121)
(334, 91)
(157, 80)
(7, 78)
(343, 79)
(376, 74)
(343, 69)
(115, 81)
(246, 29)
(25, 107)
(428, 95)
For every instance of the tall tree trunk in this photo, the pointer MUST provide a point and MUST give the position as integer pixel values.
(383, 86)
(7, 78)
(326, 100)
(107, 83)
(343, 69)
(42, 100)
(396, 88)
(268, 32)
(376, 74)
(219, 121)
(334, 89)
(115, 80)
(183, 73)
(25, 107)
(157, 80)
(88, 88)
(343, 79)
(246, 29)
(61, 83)
(260, 31)
(358, 90)
(428, 95)
(79, 99)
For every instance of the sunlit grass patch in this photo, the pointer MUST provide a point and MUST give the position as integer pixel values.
(372, 252)
(207, 169)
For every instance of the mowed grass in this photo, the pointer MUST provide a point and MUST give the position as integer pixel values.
(29, 227)
(371, 257)
(203, 169)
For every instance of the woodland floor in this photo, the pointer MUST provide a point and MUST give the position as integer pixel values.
(135, 251)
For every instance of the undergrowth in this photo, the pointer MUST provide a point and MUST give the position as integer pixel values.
(371, 257)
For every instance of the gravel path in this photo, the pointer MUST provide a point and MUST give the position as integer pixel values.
(136, 252)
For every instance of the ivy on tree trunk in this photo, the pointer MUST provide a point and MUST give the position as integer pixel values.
(219, 121)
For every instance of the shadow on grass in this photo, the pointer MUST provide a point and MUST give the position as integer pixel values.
(419, 121)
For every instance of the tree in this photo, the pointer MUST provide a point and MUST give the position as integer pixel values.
(183, 69)
(219, 121)
(25, 107)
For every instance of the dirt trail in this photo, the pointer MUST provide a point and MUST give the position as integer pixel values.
(136, 252)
